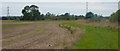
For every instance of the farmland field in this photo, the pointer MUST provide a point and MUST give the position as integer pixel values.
(57, 35)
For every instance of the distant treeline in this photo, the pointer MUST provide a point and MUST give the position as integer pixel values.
(10, 17)
(49, 16)
(45, 17)
(32, 13)
(58, 17)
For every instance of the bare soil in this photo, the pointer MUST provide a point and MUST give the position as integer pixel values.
(101, 24)
(40, 35)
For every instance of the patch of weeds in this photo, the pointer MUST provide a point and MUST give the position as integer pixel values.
(69, 28)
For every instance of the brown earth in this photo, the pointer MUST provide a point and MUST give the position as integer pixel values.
(40, 35)
(101, 24)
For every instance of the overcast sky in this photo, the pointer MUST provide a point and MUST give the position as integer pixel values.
(59, 0)
(77, 7)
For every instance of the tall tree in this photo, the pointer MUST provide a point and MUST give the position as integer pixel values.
(48, 15)
(26, 13)
(31, 12)
(67, 14)
(89, 15)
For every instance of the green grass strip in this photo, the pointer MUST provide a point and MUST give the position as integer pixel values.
(96, 37)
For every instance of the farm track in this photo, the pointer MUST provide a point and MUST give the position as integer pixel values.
(45, 35)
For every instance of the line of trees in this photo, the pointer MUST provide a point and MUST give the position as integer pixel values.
(32, 13)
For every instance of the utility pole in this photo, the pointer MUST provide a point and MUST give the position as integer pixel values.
(119, 5)
(86, 7)
(8, 13)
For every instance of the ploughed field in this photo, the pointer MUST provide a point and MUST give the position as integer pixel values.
(57, 35)
(37, 35)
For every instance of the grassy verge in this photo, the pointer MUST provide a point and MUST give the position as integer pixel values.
(96, 37)
(69, 28)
